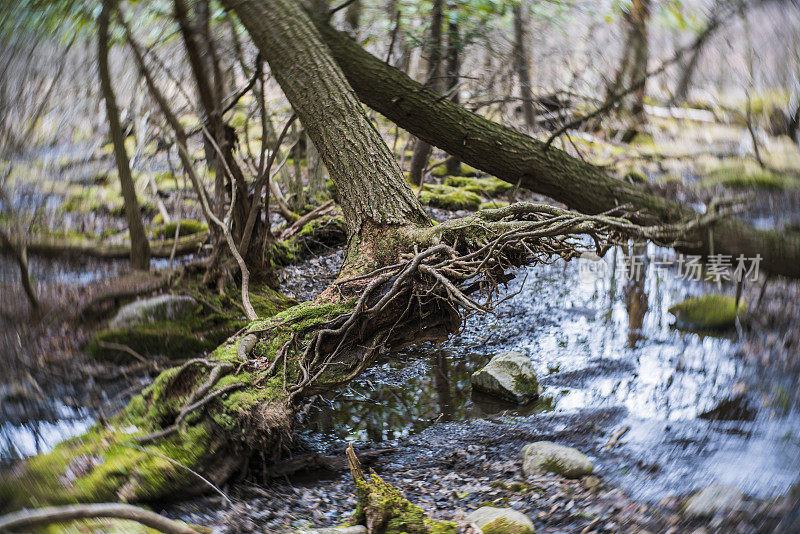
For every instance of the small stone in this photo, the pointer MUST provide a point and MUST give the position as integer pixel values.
(591, 483)
(713, 499)
(152, 310)
(509, 376)
(548, 457)
(493, 520)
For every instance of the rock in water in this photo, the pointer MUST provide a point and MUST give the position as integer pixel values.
(709, 312)
(153, 310)
(501, 521)
(714, 499)
(548, 457)
(510, 376)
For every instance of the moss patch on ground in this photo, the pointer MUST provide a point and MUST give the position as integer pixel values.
(749, 177)
(194, 335)
(494, 204)
(449, 198)
(441, 170)
(187, 227)
(712, 312)
(487, 187)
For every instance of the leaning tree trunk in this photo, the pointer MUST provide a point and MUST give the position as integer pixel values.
(518, 158)
(522, 61)
(422, 149)
(140, 247)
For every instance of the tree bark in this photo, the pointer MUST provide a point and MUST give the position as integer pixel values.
(522, 61)
(515, 157)
(453, 70)
(370, 186)
(316, 179)
(140, 247)
(422, 149)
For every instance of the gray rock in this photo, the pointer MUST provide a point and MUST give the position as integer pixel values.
(548, 457)
(509, 376)
(714, 499)
(501, 521)
(152, 310)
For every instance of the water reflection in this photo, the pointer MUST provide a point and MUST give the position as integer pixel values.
(594, 349)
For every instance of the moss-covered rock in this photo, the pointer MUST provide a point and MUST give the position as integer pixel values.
(449, 198)
(509, 376)
(493, 520)
(189, 335)
(487, 187)
(709, 312)
(547, 457)
(154, 309)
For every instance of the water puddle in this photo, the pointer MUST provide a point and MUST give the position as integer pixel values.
(598, 345)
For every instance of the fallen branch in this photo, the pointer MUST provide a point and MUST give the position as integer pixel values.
(47, 246)
(29, 519)
(325, 209)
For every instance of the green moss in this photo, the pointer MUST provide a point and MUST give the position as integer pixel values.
(488, 186)
(494, 204)
(528, 385)
(501, 525)
(321, 232)
(377, 499)
(744, 177)
(643, 139)
(107, 464)
(707, 312)
(449, 198)
(441, 170)
(188, 227)
(635, 177)
(173, 339)
(192, 336)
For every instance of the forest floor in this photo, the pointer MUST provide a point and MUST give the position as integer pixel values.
(602, 367)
